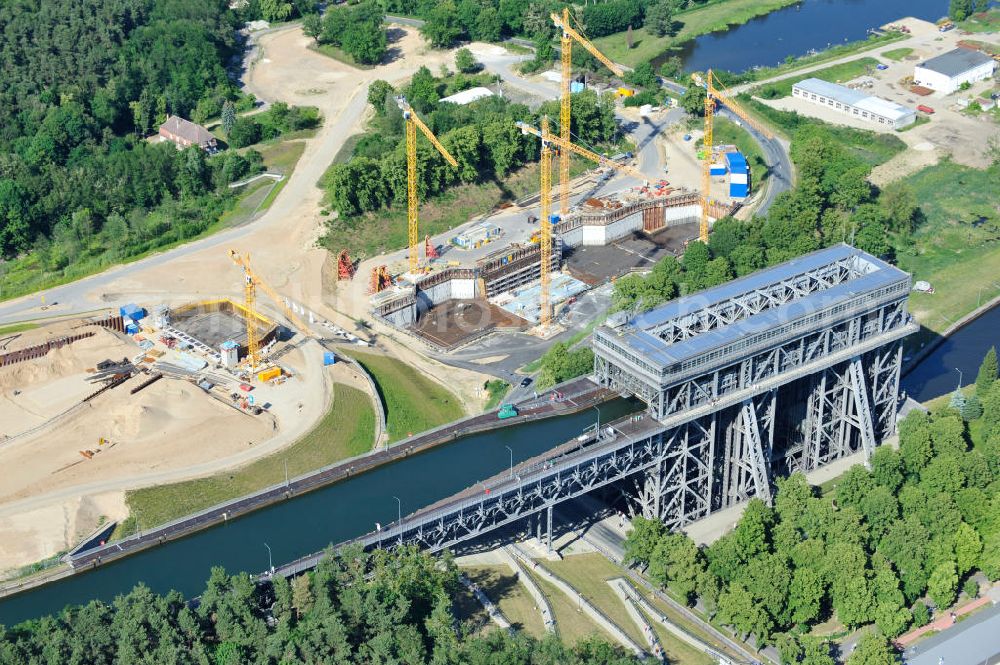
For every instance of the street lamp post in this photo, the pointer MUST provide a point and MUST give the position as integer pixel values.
(399, 518)
(270, 563)
(511, 451)
(959, 378)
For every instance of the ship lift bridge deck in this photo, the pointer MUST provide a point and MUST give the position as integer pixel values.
(784, 370)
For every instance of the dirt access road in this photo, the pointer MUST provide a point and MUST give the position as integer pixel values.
(281, 244)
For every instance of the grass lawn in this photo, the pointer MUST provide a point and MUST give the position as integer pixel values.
(988, 21)
(348, 429)
(845, 71)
(496, 389)
(572, 625)
(501, 586)
(589, 574)
(897, 54)
(16, 328)
(331, 51)
(724, 131)
(413, 402)
(712, 17)
(956, 247)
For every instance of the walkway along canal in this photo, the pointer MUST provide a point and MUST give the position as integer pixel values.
(309, 522)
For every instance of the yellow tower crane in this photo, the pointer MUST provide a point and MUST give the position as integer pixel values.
(716, 91)
(566, 147)
(566, 46)
(250, 284)
(412, 204)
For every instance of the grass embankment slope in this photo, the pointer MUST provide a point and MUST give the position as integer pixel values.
(501, 586)
(724, 131)
(897, 54)
(589, 574)
(348, 429)
(384, 231)
(956, 247)
(873, 148)
(413, 402)
(713, 17)
(28, 275)
(839, 73)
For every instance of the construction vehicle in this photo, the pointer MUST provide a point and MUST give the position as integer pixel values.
(412, 123)
(569, 35)
(507, 411)
(716, 92)
(251, 281)
(345, 267)
(545, 239)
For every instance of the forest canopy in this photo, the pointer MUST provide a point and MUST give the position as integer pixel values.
(83, 83)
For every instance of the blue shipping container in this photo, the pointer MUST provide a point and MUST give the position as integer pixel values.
(737, 191)
(736, 161)
(329, 358)
(132, 311)
(575, 86)
(717, 169)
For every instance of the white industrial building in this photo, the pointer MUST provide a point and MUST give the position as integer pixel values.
(468, 96)
(948, 71)
(854, 103)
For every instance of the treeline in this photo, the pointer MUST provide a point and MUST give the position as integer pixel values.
(832, 202)
(358, 30)
(281, 118)
(354, 608)
(481, 136)
(909, 533)
(448, 21)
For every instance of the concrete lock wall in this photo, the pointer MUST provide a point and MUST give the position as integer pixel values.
(463, 289)
(682, 213)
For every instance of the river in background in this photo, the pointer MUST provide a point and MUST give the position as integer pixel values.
(795, 30)
(310, 522)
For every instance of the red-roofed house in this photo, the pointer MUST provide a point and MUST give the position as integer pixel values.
(184, 133)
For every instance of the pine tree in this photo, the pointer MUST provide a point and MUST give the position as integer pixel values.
(973, 409)
(228, 116)
(957, 401)
(987, 372)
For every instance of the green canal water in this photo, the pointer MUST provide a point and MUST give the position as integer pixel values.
(308, 523)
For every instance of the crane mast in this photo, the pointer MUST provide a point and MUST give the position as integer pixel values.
(250, 284)
(715, 91)
(412, 201)
(569, 35)
(545, 311)
(565, 147)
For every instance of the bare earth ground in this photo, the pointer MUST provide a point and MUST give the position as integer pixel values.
(159, 434)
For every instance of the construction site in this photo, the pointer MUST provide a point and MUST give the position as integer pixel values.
(171, 388)
(148, 392)
(520, 268)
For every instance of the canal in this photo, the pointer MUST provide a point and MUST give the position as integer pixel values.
(310, 522)
(963, 352)
(795, 30)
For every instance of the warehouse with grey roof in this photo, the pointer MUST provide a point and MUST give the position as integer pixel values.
(948, 71)
(854, 103)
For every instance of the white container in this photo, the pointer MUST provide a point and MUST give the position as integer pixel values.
(738, 178)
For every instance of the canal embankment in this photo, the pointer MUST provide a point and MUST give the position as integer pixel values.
(567, 398)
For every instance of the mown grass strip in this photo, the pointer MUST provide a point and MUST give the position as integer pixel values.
(413, 402)
(348, 429)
